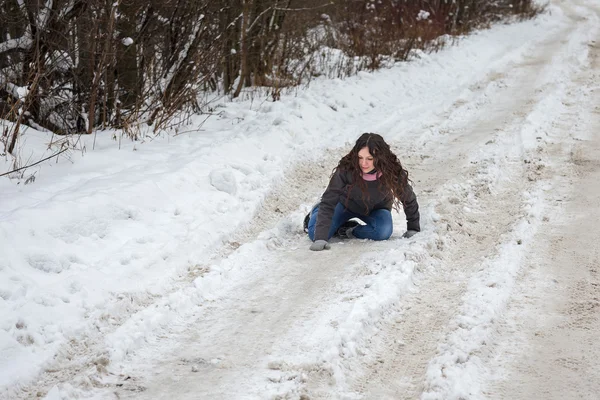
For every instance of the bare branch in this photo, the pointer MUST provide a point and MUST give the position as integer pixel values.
(35, 163)
(304, 9)
(23, 43)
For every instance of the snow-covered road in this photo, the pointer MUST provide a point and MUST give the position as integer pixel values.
(496, 298)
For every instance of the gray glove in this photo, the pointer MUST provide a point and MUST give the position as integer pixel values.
(319, 245)
(409, 234)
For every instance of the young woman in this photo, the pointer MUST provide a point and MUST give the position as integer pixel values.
(366, 184)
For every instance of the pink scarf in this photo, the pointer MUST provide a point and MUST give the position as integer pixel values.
(371, 177)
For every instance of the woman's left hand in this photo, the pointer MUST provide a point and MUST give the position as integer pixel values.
(409, 234)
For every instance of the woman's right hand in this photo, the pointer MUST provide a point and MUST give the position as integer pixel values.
(319, 245)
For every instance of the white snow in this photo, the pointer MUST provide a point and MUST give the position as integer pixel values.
(98, 249)
(423, 15)
(127, 41)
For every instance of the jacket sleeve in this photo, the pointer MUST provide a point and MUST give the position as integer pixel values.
(329, 200)
(411, 209)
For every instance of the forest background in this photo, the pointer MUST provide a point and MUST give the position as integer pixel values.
(74, 67)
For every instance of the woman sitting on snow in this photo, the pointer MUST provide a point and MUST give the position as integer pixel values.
(366, 184)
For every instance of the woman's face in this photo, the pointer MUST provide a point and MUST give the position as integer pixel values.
(365, 160)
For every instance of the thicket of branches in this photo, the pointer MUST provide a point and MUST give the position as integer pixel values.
(74, 66)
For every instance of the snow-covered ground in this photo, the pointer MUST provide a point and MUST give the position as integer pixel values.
(177, 267)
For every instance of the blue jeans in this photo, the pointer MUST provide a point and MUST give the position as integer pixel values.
(378, 226)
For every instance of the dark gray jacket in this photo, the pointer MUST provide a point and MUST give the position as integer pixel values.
(337, 192)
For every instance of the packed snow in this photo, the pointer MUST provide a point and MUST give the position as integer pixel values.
(176, 265)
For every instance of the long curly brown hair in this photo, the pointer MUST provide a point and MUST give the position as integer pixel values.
(393, 177)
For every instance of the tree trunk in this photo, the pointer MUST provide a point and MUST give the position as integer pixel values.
(230, 29)
(243, 48)
(127, 66)
(100, 67)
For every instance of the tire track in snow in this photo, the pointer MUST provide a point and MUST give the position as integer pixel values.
(546, 341)
(547, 337)
(317, 382)
(459, 369)
(410, 337)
